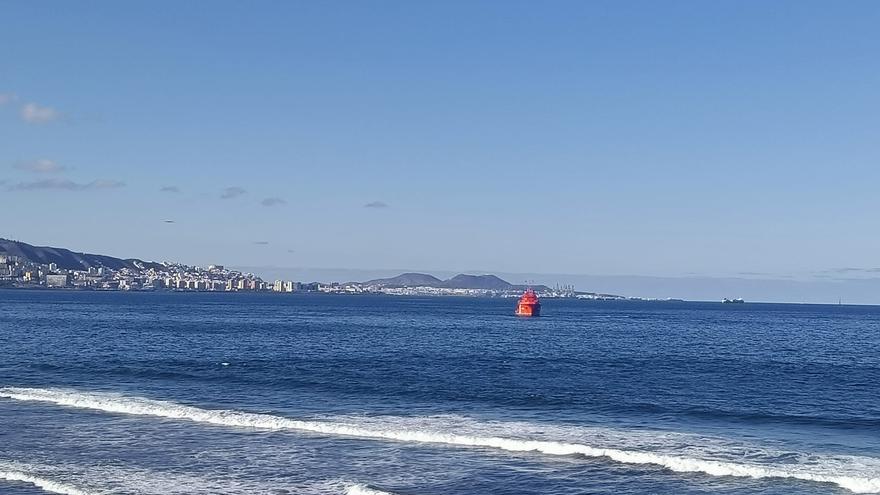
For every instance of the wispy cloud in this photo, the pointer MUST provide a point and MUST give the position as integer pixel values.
(232, 192)
(261, 243)
(850, 269)
(66, 185)
(376, 204)
(42, 166)
(169, 189)
(847, 273)
(7, 98)
(273, 202)
(36, 114)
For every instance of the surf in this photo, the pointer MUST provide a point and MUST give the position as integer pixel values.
(359, 489)
(104, 480)
(45, 484)
(866, 481)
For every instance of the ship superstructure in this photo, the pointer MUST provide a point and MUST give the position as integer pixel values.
(528, 304)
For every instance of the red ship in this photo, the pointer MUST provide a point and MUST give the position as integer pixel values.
(528, 304)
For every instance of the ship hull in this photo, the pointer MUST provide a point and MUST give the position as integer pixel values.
(528, 304)
(528, 310)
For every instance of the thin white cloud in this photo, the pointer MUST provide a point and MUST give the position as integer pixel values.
(66, 185)
(376, 204)
(7, 98)
(851, 269)
(232, 192)
(105, 184)
(41, 166)
(36, 114)
(273, 202)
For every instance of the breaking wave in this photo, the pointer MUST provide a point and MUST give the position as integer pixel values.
(833, 471)
(13, 474)
(103, 479)
(364, 490)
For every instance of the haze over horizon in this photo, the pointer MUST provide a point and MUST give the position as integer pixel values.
(755, 288)
(631, 142)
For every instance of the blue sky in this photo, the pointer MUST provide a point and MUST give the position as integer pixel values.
(665, 139)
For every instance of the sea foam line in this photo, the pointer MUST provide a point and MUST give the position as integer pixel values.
(116, 403)
(42, 483)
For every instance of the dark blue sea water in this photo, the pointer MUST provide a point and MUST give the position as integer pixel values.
(124, 393)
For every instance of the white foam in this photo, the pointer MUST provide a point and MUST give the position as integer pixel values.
(105, 479)
(359, 489)
(848, 477)
(42, 483)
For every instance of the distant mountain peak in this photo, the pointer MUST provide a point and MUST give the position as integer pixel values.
(488, 282)
(408, 280)
(460, 281)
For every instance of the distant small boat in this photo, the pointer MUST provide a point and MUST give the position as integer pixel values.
(528, 304)
(738, 300)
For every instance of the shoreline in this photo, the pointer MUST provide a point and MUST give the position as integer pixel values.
(732, 307)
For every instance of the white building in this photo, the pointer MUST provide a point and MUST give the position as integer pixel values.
(57, 280)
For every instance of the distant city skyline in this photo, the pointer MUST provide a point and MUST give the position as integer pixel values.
(684, 141)
(849, 285)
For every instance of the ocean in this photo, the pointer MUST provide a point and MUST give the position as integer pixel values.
(176, 393)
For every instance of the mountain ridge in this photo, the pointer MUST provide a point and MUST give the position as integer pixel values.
(460, 281)
(70, 260)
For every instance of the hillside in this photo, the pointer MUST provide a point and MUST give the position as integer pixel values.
(489, 282)
(461, 281)
(408, 280)
(68, 259)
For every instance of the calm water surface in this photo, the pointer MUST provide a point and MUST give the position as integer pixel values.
(118, 393)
